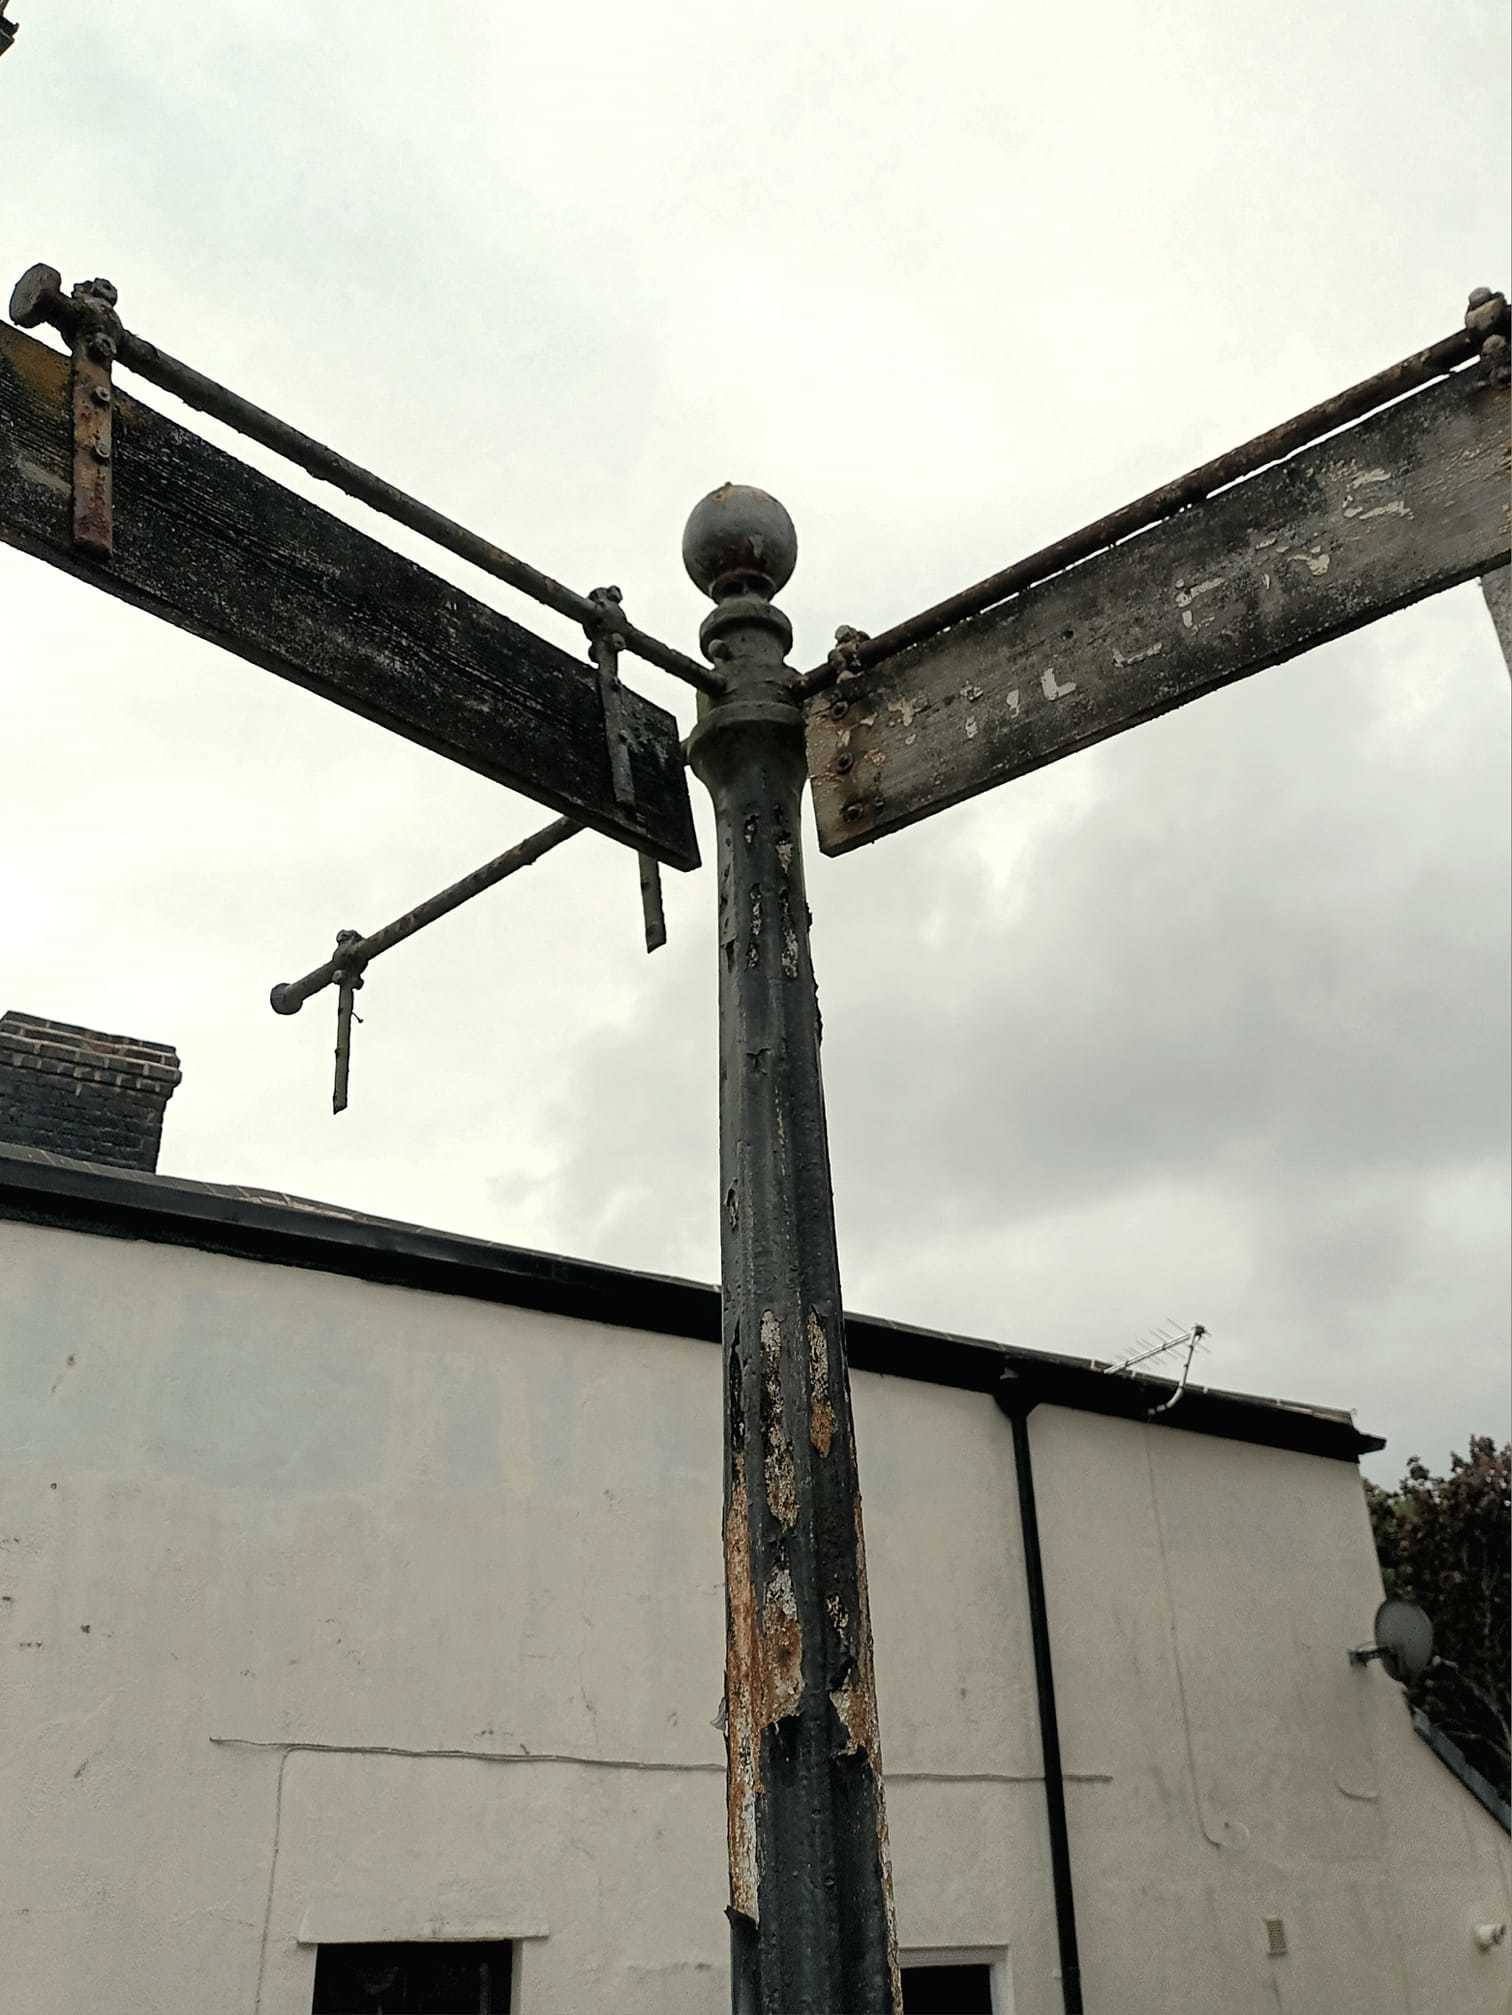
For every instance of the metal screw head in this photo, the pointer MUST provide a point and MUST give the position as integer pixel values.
(739, 540)
(101, 395)
(845, 761)
(101, 452)
(839, 709)
(102, 290)
(851, 812)
(35, 296)
(1479, 296)
(102, 349)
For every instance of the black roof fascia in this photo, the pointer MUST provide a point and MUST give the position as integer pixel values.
(167, 1211)
(1268, 1423)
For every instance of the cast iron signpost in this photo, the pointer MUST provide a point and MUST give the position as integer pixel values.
(1389, 492)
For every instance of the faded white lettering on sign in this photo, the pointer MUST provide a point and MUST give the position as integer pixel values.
(1136, 657)
(1316, 562)
(1395, 509)
(1184, 596)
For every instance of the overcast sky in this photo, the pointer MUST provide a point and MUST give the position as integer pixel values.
(1208, 1023)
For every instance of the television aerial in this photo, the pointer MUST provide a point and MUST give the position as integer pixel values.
(1403, 1637)
(1170, 1336)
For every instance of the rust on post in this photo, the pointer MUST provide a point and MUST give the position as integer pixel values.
(821, 1413)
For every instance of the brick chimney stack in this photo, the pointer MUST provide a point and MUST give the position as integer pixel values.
(79, 1093)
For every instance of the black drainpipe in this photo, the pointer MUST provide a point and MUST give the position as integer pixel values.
(1017, 1404)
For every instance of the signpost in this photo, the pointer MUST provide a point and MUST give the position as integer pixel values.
(810, 1883)
(1289, 541)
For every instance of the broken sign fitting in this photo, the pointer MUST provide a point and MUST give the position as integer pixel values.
(347, 978)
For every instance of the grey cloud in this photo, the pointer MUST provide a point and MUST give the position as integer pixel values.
(1216, 1015)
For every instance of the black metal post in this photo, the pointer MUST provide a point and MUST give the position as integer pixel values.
(810, 1883)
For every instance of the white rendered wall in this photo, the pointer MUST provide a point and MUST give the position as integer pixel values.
(330, 1610)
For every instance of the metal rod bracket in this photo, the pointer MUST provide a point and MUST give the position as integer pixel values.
(606, 639)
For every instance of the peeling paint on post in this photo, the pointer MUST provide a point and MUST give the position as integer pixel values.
(810, 1882)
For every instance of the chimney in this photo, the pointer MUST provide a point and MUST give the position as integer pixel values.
(79, 1093)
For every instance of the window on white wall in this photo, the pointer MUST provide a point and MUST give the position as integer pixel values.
(413, 1979)
(947, 1987)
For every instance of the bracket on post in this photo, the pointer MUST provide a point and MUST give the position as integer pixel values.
(605, 642)
(8, 29)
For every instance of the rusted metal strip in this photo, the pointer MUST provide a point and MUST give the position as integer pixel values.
(359, 952)
(96, 339)
(39, 298)
(1486, 320)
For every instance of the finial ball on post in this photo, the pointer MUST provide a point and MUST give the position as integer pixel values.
(738, 541)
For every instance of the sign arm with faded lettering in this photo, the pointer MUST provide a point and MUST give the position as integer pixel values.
(1408, 502)
(216, 548)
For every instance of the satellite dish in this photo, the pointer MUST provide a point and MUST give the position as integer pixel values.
(1403, 1641)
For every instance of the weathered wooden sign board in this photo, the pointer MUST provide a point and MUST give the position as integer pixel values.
(218, 549)
(1410, 501)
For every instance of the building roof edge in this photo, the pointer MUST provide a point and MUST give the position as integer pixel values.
(41, 1188)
